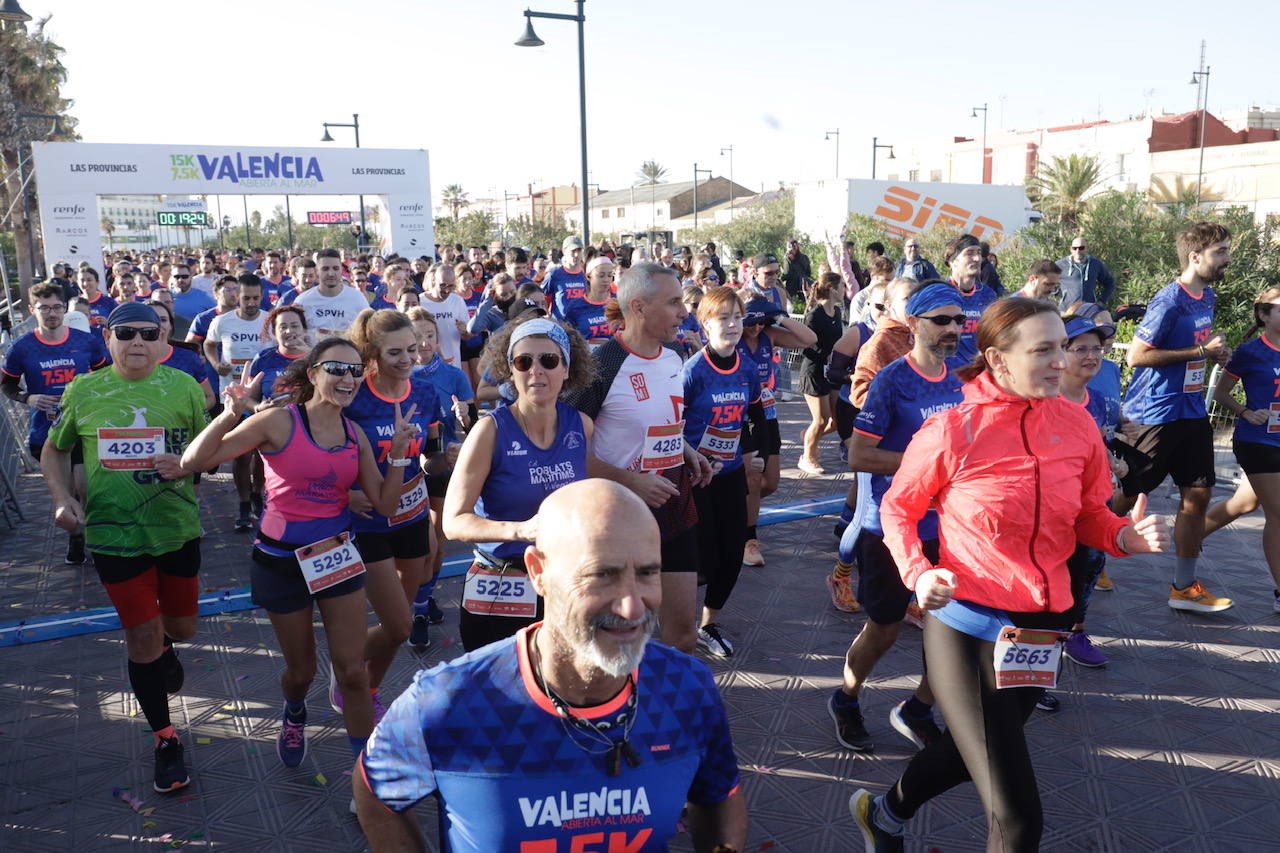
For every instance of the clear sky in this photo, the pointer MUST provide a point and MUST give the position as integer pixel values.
(668, 80)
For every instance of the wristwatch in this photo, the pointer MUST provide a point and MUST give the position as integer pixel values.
(402, 462)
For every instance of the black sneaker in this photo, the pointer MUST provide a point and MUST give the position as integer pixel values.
(255, 505)
(711, 638)
(75, 551)
(171, 772)
(850, 729)
(244, 521)
(434, 614)
(420, 633)
(1048, 702)
(921, 731)
(862, 805)
(174, 675)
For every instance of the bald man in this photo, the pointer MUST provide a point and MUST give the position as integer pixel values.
(575, 734)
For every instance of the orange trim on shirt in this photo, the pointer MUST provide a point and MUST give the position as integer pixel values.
(926, 377)
(540, 699)
(868, 434)
(368, 380)
(737, 362)
(66, 333)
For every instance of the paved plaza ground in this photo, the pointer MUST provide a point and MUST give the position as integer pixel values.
(1173, 746)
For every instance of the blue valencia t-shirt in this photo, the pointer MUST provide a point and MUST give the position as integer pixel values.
(589, 319)
(1257, 365)
(1174, 320)
(899, 401)
(510, 775)
(973, 304)
(563, 288)
(48, 367)
(715, 406)
(449, 382)
(271, 362)
(761, 358)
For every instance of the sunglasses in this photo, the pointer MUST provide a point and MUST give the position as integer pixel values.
(945, 319)
(341, 368)
(877, 306)
(181, 276)
(128, 333)
(524, 362)
(1077, 248)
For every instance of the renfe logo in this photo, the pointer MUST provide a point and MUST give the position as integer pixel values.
(69, 210)
(912, 211)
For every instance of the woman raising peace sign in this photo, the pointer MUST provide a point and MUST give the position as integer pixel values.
(303, 554)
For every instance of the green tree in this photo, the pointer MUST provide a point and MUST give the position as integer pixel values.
(108, 227)
(454, 198)
(762, 228)
(1061, 186)
(651, 172)
(477, 228)
(31, 77)
(546, 231)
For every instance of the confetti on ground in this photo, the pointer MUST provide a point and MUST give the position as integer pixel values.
(149, 824)
(128, 799)
(766, 845)
(187, 798)
(217, 717)
(253, 750)
(228, 707)
(241, 677)
(203, 740)
(346, 772)
(320, 780)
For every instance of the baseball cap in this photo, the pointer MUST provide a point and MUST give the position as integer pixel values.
(1078, 326)
(759, 310)
(763, 260)
(132, 312)
(521, 306)
(571, 242)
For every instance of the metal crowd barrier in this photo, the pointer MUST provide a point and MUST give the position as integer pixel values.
(14, 457)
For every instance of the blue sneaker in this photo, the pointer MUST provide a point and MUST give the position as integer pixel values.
(420, 633)
(291, 745)
(434, 614)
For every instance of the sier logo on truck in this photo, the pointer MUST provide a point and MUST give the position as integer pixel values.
(914, 212)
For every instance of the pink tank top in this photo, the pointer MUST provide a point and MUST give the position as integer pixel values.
(307, 485)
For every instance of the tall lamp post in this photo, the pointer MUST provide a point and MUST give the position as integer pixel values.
(982, 160)
(876, 146)
(696, 172)
(1200, 79)
(836, 134)
(722, 153)
(56, 130)
(530, 39)
(354, 124)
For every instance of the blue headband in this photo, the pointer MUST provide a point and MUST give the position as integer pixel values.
(933, 296)
(540, 326)
(132, 312)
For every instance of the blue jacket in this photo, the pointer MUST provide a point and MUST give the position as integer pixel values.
(919, 269)
(1090, 282)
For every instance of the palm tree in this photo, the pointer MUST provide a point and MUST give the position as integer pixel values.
(455, 198)
(108, 228)
(1061, 186)
(651, 172)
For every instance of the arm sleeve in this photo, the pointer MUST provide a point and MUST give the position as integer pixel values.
(839, 368)
(396, 763)
(1097, 525)
(9, 382)
(926, 467)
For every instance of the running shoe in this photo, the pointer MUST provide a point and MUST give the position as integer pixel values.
(1276, 604)
(171, 772)
(244, 521)
(851, 731)
(810, 467)
(434, 614)
(420, 634)
(711, 638)
(839, 529)
(379, 710)
(921, 732)
(174, 675)
(1048, 702)
(335, 693)
(914, 615)
(1197, 599)
(841, 590)
(75, 550)
(751, 555)
(1102, 582)
(291, 745)
(1081, 650)
(256, 504)
(876, 839)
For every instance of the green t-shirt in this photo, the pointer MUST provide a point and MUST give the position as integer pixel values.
(121, 423)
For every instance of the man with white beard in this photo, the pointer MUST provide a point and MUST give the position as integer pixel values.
(577, 725)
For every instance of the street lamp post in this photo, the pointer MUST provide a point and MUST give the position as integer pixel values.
(836, 134)
(354, 124)
(696, 172)
(1200, 79)
(530, 39)
(982, 160)
(722, 151)
(876, 146)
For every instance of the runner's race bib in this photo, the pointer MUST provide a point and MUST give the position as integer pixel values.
(493, 592)
(719, 445)
(329, 561)
(1028, 658)
(663, 447)
(1193, 382)
(1273, 418)
(413, 496)
(130, 448)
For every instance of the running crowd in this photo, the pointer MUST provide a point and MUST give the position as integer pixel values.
(601, 427)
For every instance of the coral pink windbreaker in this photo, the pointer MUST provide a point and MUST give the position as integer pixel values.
(1016, 483)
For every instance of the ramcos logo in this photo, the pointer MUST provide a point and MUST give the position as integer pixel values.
(249, 169)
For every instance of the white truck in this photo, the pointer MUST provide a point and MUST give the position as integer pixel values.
(990, 212)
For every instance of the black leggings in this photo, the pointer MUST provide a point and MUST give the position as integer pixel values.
(984, 742)
(722, 533)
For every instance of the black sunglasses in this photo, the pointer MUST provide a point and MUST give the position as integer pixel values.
(181, 276)
(341, 368)
(127, 333)
(946, 319)
(524, 361)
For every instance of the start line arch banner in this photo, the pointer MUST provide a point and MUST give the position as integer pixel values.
(71, 175)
